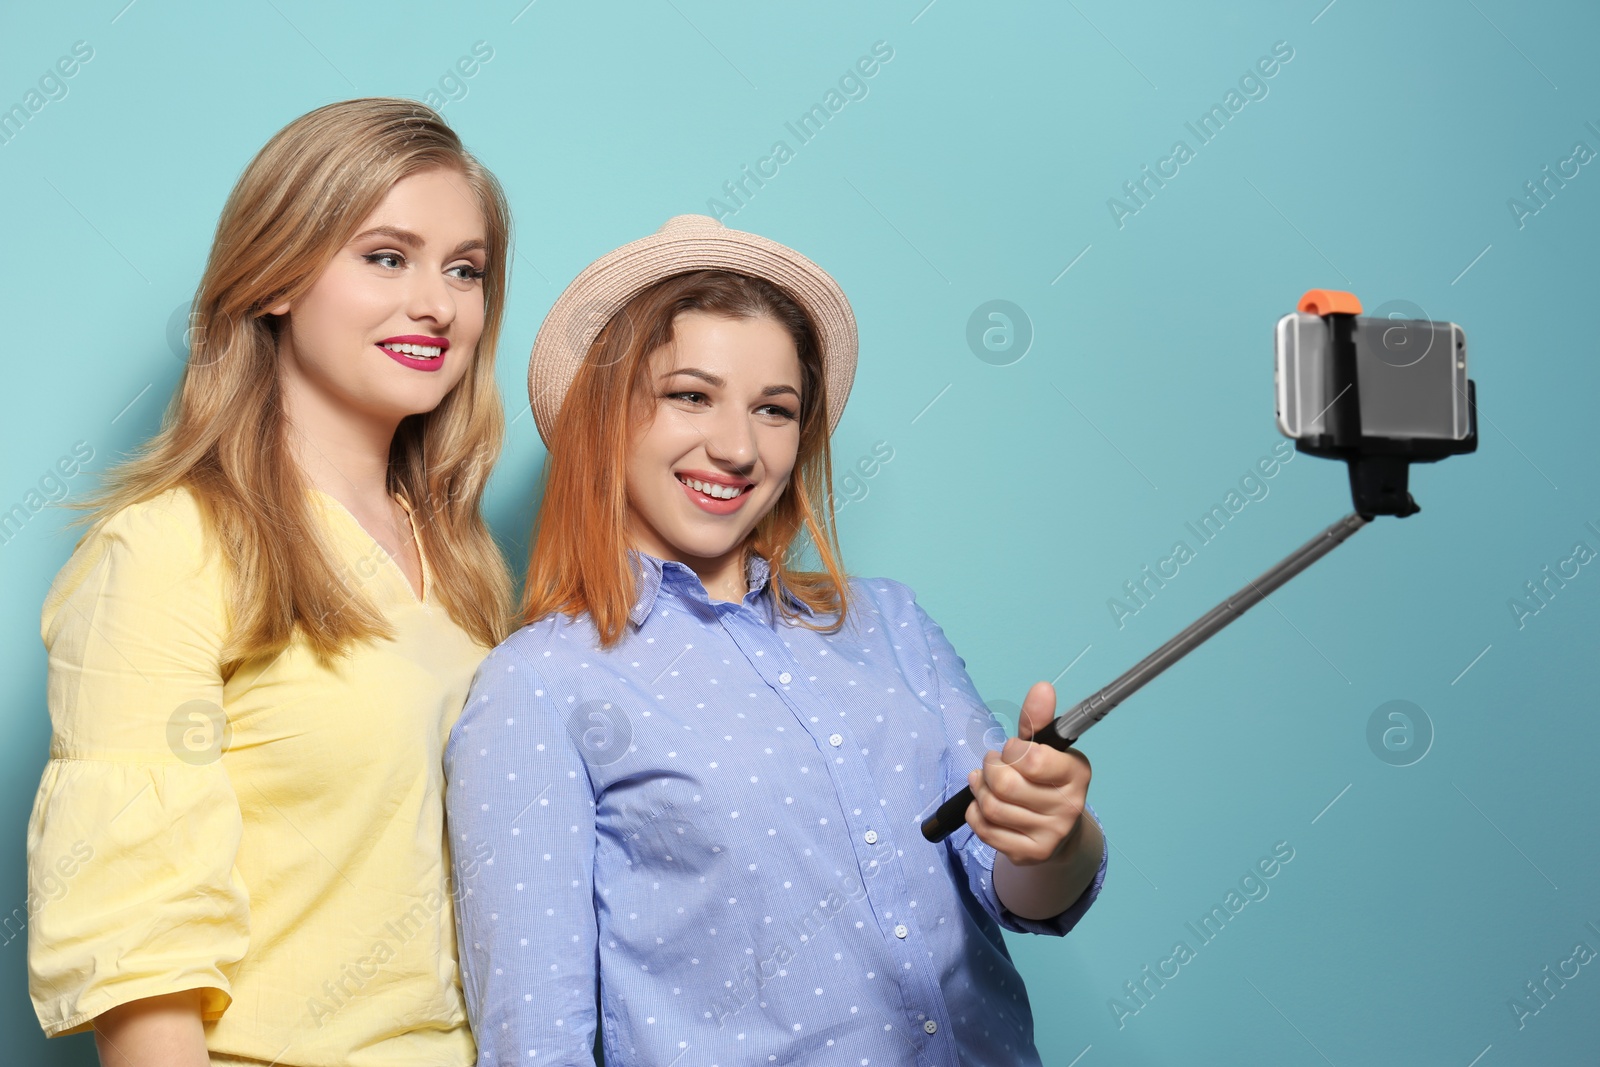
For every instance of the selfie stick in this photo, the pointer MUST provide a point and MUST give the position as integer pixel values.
(1378, 476)
(1066, 729)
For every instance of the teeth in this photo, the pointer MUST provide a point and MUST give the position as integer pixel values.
(720, 492)
(417, 351)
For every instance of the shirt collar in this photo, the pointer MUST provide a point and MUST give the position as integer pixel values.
(652, 572)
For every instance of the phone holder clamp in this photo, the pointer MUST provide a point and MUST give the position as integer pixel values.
(1379, 466)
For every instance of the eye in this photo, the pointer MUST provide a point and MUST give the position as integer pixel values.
(471, 273)
(677, 396)
(374, 257)
(780, 410)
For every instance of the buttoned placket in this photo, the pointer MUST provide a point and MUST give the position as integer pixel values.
(750, 625)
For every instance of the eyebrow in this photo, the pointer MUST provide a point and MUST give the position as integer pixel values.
(406, 237)
(712, 379)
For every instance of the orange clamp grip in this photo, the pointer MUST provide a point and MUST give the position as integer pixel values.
(1330, 302)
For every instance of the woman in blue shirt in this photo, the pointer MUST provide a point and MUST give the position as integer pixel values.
(689, 791)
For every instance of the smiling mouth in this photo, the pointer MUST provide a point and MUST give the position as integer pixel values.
(420, 353)
(711, 489)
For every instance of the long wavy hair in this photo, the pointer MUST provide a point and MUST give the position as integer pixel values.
(578, 562)
(224, 433)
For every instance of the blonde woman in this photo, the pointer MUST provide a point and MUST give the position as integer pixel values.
(258, 648)
(701, 768)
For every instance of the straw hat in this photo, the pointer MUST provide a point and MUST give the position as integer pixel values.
(685, 243)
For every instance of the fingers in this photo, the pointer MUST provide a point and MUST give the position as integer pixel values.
(1010, 842)
(1008, 786)
(1042, 764)
(1028, 818)
(1009, 798)
(1022, 836)
(1038, 708)
(1028, 797)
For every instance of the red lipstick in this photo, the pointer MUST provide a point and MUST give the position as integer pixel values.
(409, 356)
(706, 502)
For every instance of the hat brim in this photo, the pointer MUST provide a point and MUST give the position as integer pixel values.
(685, 243)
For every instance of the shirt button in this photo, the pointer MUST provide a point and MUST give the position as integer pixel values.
(931, 1027)
(901, 931)
(870, 837)
(785, 677)
(835, 740)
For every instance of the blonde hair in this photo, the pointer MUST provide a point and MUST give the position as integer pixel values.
(224, 432)
(578, 562)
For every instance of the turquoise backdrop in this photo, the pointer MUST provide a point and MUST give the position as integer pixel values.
(1442, 902)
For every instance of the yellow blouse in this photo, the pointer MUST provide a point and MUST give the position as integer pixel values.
(275, 840)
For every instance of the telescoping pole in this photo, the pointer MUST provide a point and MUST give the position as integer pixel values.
(1067, 728)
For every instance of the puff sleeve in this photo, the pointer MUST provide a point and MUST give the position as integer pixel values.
(132, 888)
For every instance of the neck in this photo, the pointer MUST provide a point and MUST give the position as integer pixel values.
(723, 576)
(341, 452)
(730, 586)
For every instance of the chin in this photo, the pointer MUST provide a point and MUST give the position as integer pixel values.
(697, 544)
(417, 404)
(707, 549)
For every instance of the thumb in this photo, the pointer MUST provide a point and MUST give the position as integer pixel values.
(1038, 709)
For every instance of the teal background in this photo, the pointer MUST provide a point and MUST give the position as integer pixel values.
(1021, 494)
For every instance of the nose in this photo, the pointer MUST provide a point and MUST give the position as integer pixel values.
(430, 298)
(730, 439)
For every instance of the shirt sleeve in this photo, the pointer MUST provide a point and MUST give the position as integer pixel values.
(970, 730)
(132, 889)
(522, 829)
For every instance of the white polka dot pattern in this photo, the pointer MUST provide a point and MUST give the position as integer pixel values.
(713, 829)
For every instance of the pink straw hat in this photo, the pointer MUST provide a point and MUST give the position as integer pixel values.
(685, 243)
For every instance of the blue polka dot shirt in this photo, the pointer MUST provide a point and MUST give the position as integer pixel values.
(705, 841)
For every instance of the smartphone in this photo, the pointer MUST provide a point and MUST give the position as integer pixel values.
(1410, 378)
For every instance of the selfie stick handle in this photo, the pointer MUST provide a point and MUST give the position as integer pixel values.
(1066, 729)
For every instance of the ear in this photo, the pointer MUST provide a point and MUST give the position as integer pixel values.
(279, 309)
